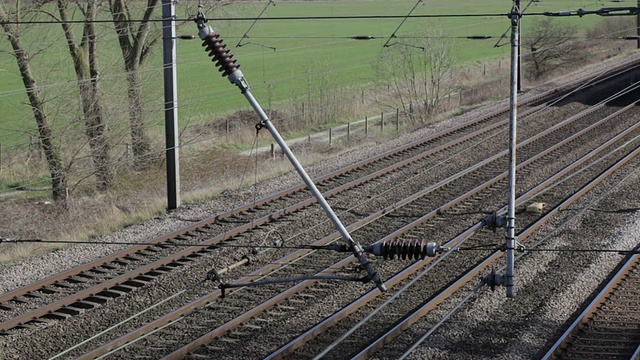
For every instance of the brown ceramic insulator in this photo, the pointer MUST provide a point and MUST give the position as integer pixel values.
(411, 249)
(218, 50)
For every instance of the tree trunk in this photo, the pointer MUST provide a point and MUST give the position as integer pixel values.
(84, 56)
(139, 139)
(135, 46)
(45, 134)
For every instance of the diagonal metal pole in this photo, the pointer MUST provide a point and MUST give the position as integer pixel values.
(246, 34)
(393, 35)
(228, 66)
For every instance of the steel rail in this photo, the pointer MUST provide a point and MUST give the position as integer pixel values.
(9, 295)
(120, 254)
(286, 260)
(387, 337)
(299, 341)
(279, 298)
(599, 301)
(141, 272)
(45, 284)
(175, 258)
(145, 270)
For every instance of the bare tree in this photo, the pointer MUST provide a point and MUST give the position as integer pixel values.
(52, 154)
(417, 74)
(439, 63)
(85, 61)
(550, 47)
(135, 44)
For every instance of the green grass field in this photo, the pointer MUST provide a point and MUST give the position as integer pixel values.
(304, 51)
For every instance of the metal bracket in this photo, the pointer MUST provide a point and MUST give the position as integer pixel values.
(494, 280)
(495, 221)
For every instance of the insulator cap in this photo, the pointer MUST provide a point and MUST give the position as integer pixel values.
(405, 249)
(218, 50)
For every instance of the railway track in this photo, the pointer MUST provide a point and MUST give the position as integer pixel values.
(256, 310)
(129, 269)
(417, 283)
(223, 227)
(608, 327)
(401, 349)
(90, 287)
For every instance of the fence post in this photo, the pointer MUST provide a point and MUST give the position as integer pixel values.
(382, 122)
(330, 135)
(273, 151)
(398, 119)
(304, 114)
(309, 137)
(366, 126)
(362, 97)
(348, 131)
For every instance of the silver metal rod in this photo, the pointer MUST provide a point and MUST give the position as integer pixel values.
(357, 249)
(519, 46)
(236, 77)
(511, 212)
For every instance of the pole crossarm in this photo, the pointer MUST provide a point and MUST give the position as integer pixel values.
(606, 11)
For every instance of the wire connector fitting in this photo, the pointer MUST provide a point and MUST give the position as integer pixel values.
(495, 221)
(7, 240)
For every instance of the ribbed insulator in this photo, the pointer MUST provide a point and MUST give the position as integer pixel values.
(405, 249)
(218, 50)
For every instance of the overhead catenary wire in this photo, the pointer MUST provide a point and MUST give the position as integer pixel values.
(10, 240)
(151, 69)
(246, 34)
(401, 23)
(271, 37)
(193, 286)
(327, 17)
(504, 35)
